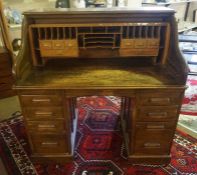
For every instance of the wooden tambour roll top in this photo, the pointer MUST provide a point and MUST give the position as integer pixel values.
(116, 33)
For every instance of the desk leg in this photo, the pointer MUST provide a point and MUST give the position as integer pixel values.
(71, 121)
(126, 112)
(72, 103)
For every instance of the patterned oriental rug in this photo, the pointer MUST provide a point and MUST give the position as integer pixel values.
(99, 147)
(189, 106)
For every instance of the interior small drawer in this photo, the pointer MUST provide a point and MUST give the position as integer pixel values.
(127, 43)
(40, 100)
(36, 113)
(49, 144)
(54, 126)
(152, 141)
(45, 44)
(156, 98)
(153, 43)
(71, 43)
(58, 44)
(157, 113)
(66, 52)
(140, 43)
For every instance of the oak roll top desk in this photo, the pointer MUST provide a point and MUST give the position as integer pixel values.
(132, 54)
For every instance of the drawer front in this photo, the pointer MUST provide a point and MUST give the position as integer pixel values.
(66, 52)
(49, 144)
(71, 43)
(156, 125)
(58, 44)
(127, 43)
(48, 113)
(45, 44)
(41, 100)
(152, 141)
(155, 98)
(140, 43)
(56, 126)
(153, 43)
(157, 113)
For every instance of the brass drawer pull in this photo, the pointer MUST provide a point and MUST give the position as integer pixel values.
(156, 100)
(46, 126)
(43, 113)
(49, 143)
(46, 45)
(157, 114)
(58, 45)
(155, 126)
(152, 145)
(41, 100)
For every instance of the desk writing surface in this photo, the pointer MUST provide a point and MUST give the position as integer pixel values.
(81, 73)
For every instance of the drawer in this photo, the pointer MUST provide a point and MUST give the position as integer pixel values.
(160, 98)
(49, 144)
(157, 113)
(138, 52)
(58, 44)
(71, 43)
(151, 141)
(41, 100)
(153, 43)
(45, 44)
(156, 125)
(140, 43)
(127, 43)
(66, 52)
(56, 126)
(48, 113)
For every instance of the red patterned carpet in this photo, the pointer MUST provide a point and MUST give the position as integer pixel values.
(189, 106)
(99, 147)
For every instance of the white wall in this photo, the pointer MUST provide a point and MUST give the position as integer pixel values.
(134, 3)
(180, 10)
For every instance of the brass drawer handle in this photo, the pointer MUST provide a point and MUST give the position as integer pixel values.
(46, 126)
(156, 100)
(155, 126)
(157, 114)
(43, 113)
(58, 45)
(46, 45)
(34, 100)
(49, 143)
(152, 145)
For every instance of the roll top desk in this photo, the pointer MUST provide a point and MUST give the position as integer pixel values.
(132, 54)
